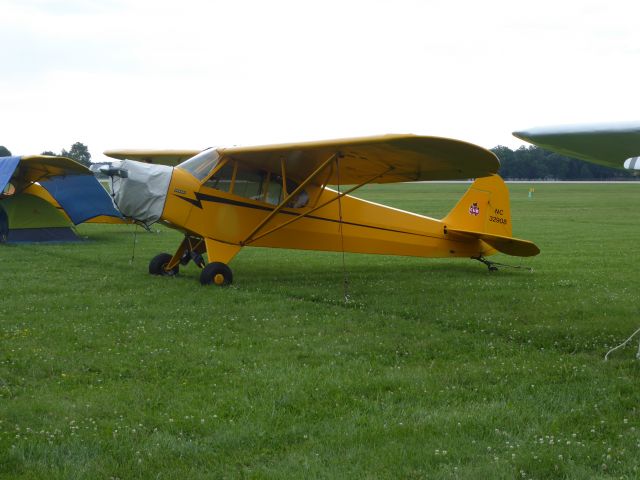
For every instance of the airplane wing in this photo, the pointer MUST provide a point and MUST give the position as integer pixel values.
(34, 168)
(396, 158)
(72, 184)
(161, 157)
(612, 145)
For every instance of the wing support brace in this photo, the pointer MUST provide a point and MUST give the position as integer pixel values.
(318, 207)
(301, 187)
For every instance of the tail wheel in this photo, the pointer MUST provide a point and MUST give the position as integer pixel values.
(159, 262)
(216, 273)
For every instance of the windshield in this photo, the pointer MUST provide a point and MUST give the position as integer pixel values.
(201, 165)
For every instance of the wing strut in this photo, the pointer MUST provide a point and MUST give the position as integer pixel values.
(289, 197)
(345, 282)
(318, 207)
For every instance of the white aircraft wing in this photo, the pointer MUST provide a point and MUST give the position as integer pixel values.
(609, 144)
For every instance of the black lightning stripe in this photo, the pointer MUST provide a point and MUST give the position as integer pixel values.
(200, 197)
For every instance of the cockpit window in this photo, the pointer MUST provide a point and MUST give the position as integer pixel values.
(273, 195)
(299, 201)
(254, 184)
(201, 165)
(221, 180)
(248, 183)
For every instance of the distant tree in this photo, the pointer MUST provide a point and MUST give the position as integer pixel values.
(585, 173)
(4, 152)
(530, 163)
(79, 152)
(48, 152)
(503, 153)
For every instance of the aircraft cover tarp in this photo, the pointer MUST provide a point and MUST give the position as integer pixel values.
(143, 193)
(7, 167)
(81, 196)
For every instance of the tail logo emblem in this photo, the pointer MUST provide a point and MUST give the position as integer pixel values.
(474, 209)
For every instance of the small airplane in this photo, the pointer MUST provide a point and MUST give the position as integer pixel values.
(610, 144)
(53, 183)
(223, 199)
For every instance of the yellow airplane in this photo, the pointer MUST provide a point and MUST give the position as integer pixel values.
(278, 196)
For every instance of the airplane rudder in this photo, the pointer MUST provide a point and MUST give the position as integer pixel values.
(483, 208)
(470, 211)
(498, 208)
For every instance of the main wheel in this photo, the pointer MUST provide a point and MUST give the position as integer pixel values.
(216, 273)
(157, 264)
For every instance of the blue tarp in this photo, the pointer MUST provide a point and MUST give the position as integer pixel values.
(7, 167)
(81, 196)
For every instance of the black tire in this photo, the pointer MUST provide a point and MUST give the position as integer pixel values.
(157, 264)
(216, 273)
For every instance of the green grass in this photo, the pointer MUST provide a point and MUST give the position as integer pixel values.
(433, 369)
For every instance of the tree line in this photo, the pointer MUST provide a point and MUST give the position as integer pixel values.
(78, 152)
(525, 163)
(533, 163)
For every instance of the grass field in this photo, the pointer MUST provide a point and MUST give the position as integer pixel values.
(433, 369)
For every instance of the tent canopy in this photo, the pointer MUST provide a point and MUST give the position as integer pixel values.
(28, 218)
(72, 185)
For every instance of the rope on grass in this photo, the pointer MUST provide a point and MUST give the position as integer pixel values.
(135, 240)
(623, 344)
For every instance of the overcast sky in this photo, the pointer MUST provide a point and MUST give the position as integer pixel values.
(194, 74)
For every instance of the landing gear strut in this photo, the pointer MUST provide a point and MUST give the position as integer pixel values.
(166, 264)
(189, 255)
(193, 248)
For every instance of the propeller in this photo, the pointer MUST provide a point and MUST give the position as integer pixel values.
(112, 171)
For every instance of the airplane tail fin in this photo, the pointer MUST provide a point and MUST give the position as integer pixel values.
(483, 213)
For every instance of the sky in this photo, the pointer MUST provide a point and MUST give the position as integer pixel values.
(199, 73)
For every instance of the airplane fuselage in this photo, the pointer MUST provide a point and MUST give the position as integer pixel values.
(348, 224)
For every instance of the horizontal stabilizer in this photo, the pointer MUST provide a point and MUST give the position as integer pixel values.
(508, 245)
